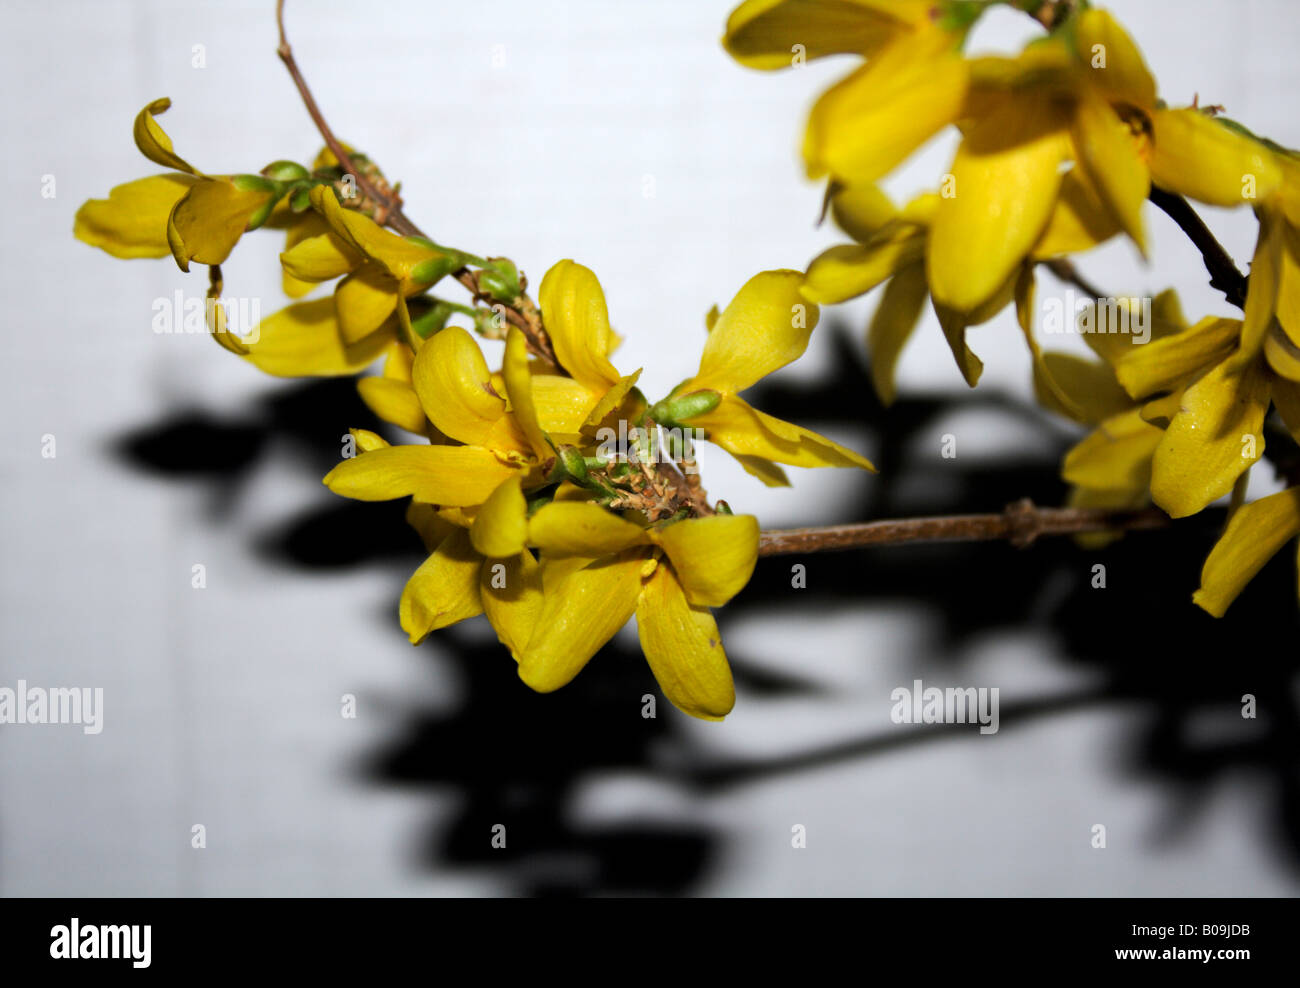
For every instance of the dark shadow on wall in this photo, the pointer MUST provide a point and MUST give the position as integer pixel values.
(511, 757)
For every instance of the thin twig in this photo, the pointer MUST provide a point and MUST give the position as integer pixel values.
(522, 313)
(1020, 524)
(1068, 273)
(1224, 274)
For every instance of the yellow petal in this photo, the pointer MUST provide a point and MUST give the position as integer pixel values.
(323, 257)
(863, 127)
(581, 528)
(431, 526)
(365, 300)
(1094, 394)
(563, 405)
(684, 650)
(954, 325)
(744, 431)
(302, 340)
(577, 617)
(1206, 447)
(1261, 295)
(861, 209)
(1080, 220)
(1194, 155)
(298, 227)
(511, 590)
(153, 142)
(501, 525)
(1282, 355)
(444, 590)
(1044, 380)
(892, 326)
(577, 321)
(1254, 534)
(132, 221)
(1166, 319)
(207, 222)
(1114, 63)
(765, 327)
(367, 440)
(519, 391)
(768, 34)
(1106, 150)
(1286, 396)
(765, 470)
(1169, 363)
(449, 475)
(395, 256)
(1288, 281)
(1116, 456)
(455, 386)
(714, 557)
(850, 270)
(1006, 178)
(393, 401)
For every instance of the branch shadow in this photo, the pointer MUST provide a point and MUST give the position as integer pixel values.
(524, 761)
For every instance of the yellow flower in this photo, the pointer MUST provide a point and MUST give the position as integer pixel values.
(1255, 533)
(775, 34)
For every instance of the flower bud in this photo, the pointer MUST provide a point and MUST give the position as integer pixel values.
(285, 171)
(678, 409)
(499, 278)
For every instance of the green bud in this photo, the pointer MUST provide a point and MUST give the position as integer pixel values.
(674, 411)
(262, 213)
(723, 508)
(575, 465)
(499, 278)
(255, 183)
(300, 199)
(285, 171)
(429, 322)
(435, 268)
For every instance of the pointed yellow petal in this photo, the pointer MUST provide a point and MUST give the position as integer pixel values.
(1080, 221)
(954, 325)
(449, 475)
(684, 650)
(581, 528)
(365, 299)
(1254, 534)
(861, 209)
(577, 321)
(765, 470)
(744, 431)
(1107, 151)
(432, 528)
(1043, 377)
(1089, 384)
(519, 391)
(1209, 443)
(444, 590)
(323, 257)
(769, 34)
(1172, 362)
(765, 327)
(511, 590)
(1261, 295)
(302, 340)
(132, 221)
(1114, 63)
(207, 222)
(850, 270)
(501, 525)
(153, 142)
(455, 386)
(714, 557)
(1286, 396)
(892, 326)
(396, 256)
(563, 405)
(1282, 355)
(1116, 456)
(1194, 155)
(577, 617)
(866, 125)
(1006, 178)
(393, 401)
(1288, 281)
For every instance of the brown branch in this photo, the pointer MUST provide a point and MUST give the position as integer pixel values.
(1067, 272)
(522, 313)
(1224, 274)
(1020, 524)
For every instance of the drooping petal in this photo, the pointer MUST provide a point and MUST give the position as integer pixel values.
(511, 591)
(581, 528)
(682, 645)
(519, 390)
(765, 327)
(1261, 295)
(153, 141)
(1116, 456)
(1210, 442)
(849, 270)
(132, 221)
(861, 209)
(714, 557)
(1094, 393)
(1080, 220)
(207, 222)
(1195, 155)
(302, 340)
(1113, 61)
(863, 127)
(1254, 534)
(578, 616)
(454, 384)
(365, 299)
(1006, 178)
(444, 590)
(1165, 364)
(1106, 150)
(1282, 355)
(577, 320)
(323, 257)
(429, 524)
(396, 256)
(501, 526)
(892, 325)
(450, 475)
(744, 431)
(393, 401)
(1044, 380)
(769, 34)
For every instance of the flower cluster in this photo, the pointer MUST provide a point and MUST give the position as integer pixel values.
(1060, 146)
